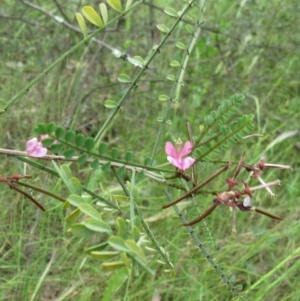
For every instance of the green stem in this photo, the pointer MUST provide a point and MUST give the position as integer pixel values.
(177, 86)
(203, 249)
(131, 199)
(145, 225)
(142, 71)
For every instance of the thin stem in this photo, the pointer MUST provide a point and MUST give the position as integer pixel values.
(53, 195)
(145, 225)
(194, 167)
(175, 89)
(151, 172)
(141, 72)
(203, 249)
(12, 186)
(131, 199)
(226, 166)
(203, 216)
(54, 173)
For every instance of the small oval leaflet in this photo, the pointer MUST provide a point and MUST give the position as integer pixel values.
(92, 16)
(171, 12)
(116, 5)
(82, 159)
(129, 156)
(75, 186)
(147, 161)
(121, 226)
(51, 127)
(118, 243)
(163, 97)
(135, 249)
(139, 60)
(105, 255)
(79, 140)
(175, 63)
(110, 104)
(96, 248)
(115, 153)
(68, 153)
(180, 45)
(163, 28)
(41, 129)
(70, 136)
(106, 167)
(102, 148)
(79, 230)
(89, 143)
(59, 132)
(114, 265)
(97, 225)
(95, 163)
(189, 28)
(90, 211)
(124, 78)
(56, 148)
(104, 13)
(171, 77)
(47, 142)
(72, 216)
(81, 23)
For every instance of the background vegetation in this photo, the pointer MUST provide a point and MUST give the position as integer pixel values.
(249, 47)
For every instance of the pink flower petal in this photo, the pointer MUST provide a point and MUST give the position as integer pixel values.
(187, 163)
(39, 152)
(187, 149)
(170, 150)
(35, 148)
(31, 145)
(174, 162)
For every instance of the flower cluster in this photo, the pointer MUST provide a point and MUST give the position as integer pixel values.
(178, 156)
(34, 147)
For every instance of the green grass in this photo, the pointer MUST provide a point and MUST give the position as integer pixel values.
(250, 49)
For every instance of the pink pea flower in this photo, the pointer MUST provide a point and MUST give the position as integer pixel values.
(34, 148)
(176, 155)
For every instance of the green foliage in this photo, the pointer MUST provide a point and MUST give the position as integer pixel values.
(115, 194)
(81, 24)
(92, 16)
(116, 5)
(125, 79)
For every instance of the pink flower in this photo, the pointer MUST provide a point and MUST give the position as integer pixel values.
(176, 155)
(34, 148)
